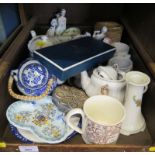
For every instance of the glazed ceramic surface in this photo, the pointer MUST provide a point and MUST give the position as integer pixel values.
(28, 137)
(102, 117)
(42, 118)
(18, 135)
(97, 84)
(38, 42)
(32, 78)
(121, 47)
(42, 41)
(137, 83)
(72, 31)
(124, 63)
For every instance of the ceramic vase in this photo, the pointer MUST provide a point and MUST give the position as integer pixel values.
(137, 83)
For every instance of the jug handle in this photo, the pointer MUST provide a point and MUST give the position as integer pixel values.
(105, 90)
(28, 98)
(145, 89)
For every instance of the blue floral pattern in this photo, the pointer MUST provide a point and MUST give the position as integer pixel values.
(33, 78)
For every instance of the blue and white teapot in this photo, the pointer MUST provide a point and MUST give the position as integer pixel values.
(33, 80)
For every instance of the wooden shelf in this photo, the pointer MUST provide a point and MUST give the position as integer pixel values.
(136, 142)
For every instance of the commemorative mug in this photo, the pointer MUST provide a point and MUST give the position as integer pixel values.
(102, 117)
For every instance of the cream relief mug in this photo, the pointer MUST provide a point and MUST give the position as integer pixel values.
(102, 117)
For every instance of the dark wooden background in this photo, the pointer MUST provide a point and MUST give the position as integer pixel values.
(141, 17)
(78, 14)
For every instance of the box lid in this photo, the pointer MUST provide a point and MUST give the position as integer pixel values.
(73, 54)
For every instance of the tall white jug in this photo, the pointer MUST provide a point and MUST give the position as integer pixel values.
(137, 84)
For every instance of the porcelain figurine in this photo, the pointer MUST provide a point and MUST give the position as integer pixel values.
(103, 83)
(51, 30)
(32, 78)
(61, 27)
(99, 35)
(42, 118)
(137, 84)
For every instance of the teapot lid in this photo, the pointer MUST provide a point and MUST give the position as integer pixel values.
(32, 78)
(107, 72)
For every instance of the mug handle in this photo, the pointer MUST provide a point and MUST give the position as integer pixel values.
(70, 114)
(145, 89)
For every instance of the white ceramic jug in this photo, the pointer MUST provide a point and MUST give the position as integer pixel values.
(137, 83)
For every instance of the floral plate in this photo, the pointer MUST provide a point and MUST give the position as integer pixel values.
(27, 136)
(42, 118)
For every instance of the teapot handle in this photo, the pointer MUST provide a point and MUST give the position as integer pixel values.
(28, 98)
(14, 74)
(105, 90)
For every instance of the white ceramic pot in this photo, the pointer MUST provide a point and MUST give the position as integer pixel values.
(137, 83)
(124, 63)
(97, 85)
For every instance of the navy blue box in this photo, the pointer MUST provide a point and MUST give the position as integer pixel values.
(70, 58)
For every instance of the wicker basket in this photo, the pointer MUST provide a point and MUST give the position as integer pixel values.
(114, 30)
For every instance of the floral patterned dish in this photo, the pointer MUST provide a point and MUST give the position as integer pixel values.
(42, 118)
(27, 136)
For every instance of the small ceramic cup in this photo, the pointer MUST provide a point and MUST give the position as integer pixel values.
(102, 117)
(124, 63)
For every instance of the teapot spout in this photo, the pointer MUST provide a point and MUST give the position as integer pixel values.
(85, 80)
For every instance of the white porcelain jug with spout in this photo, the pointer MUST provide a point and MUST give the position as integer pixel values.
(105, 84)
(137, 84)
